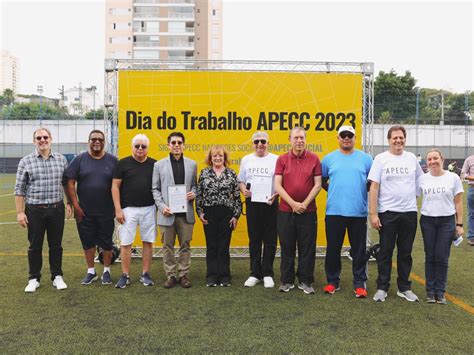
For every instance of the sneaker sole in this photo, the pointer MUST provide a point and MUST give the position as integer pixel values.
(288, 289)
(147, 284)
(91, 281)
(333, 292)
(401, 295)
(106, 282)
(361, 296)
(307, 292)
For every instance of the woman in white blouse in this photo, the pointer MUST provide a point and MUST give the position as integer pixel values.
(441, 218)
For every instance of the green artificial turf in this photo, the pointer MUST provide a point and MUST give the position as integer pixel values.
(102, 319)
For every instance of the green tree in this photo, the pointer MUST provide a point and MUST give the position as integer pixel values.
(394, 94)
(32, 111)
(99, 114)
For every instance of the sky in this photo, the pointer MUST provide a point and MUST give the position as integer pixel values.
(62, 42)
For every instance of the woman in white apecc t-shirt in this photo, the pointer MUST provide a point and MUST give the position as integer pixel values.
(441, 218)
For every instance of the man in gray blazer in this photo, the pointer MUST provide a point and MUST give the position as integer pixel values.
(168, 172)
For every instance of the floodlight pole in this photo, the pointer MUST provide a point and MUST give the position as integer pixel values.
(40, 92)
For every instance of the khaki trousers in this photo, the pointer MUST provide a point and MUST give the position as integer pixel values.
(184, 230)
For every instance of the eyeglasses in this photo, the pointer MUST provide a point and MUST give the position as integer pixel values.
(100, 140)
(176, 143)
(38, 138)
(345, 135)
(140, 146)
(263, 141)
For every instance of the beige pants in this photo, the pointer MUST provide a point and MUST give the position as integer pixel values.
(184, 231)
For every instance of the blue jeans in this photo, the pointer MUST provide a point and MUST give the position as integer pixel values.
(470, 212)
(437, 236)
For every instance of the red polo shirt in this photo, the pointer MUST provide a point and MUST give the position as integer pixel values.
(298, 177)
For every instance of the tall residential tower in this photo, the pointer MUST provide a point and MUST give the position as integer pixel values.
(163, 29)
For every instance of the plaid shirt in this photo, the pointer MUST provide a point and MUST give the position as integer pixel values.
(41, 180)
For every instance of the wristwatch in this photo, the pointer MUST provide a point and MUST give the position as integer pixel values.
(459, 224)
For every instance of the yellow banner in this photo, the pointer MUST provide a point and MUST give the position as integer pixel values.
(226, 108)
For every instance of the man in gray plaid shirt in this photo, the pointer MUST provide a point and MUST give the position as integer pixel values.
(40, 207)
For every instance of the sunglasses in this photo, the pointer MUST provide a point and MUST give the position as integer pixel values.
(38, 138)
(344, 135)
(176, 143)
(100, 140)
(263, 141)
(140, 146)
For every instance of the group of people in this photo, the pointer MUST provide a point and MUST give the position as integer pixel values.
(279, 192)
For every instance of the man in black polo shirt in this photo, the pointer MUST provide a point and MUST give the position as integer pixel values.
(94, 211)
(39, 206)
(171, 171)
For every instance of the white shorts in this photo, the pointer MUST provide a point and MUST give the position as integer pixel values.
(145, 218)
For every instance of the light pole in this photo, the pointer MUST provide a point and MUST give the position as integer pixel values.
(93, 89)
(40, 92)
(417, 120)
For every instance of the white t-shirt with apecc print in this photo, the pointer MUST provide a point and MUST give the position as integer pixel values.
(438, 193)
(397, 176)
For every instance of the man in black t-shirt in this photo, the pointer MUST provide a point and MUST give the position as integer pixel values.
(135, 206)
(94, 211)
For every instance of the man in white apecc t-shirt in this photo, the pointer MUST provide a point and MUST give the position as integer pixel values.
(393, 211)
(261, 216)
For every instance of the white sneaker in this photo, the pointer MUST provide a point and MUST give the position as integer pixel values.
(251, 282)
(408, 295)
(59, 283)
(268, 282)
(33, 284)
(380, 296)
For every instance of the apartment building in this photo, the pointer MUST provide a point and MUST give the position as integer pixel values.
(9, 72)
(163, 29)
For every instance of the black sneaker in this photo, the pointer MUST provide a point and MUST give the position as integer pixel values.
(90, 278)
(211, 284)
(225, 284)
(106, 278)
(146, 280)
(123, 282)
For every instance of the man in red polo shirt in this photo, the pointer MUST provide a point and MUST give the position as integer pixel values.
(298, 182)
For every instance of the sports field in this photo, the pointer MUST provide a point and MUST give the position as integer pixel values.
(102, 319)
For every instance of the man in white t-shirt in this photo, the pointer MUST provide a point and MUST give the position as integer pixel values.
(257, 175)
(393, 212)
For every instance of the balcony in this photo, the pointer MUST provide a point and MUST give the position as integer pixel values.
(146, 44)
(159, 3)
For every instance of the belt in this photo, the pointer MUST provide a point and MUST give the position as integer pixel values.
(50, 205)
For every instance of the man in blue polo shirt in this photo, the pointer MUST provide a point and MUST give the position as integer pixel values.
(344, 173)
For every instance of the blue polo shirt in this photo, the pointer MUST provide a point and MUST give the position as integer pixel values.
(347, 193)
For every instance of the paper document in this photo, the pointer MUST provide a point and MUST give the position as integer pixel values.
(177, 198)
(261, 188)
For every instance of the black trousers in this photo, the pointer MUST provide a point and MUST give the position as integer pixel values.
(51, 221)
(398, 228)
(262, 230)
(218, 233)
(297, 231)
(336, 227)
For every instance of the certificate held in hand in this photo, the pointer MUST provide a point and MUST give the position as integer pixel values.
(261, 188)
(177, 199)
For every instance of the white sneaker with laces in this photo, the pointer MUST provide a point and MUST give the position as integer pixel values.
(380, 296)
(59, 283)
(251, 282)
(268, 282)
(33, 284)
(408, 295)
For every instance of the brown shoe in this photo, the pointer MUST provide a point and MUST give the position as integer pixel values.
(184, 282)
(170, 282)
(471, 242)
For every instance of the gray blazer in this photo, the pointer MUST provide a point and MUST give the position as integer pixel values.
(162, 178)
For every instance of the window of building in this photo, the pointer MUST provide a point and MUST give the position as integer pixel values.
(213, 12)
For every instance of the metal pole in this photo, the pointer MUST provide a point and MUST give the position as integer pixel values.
(40, 92)
(441, 123)
(417, 115)
(93, 102)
